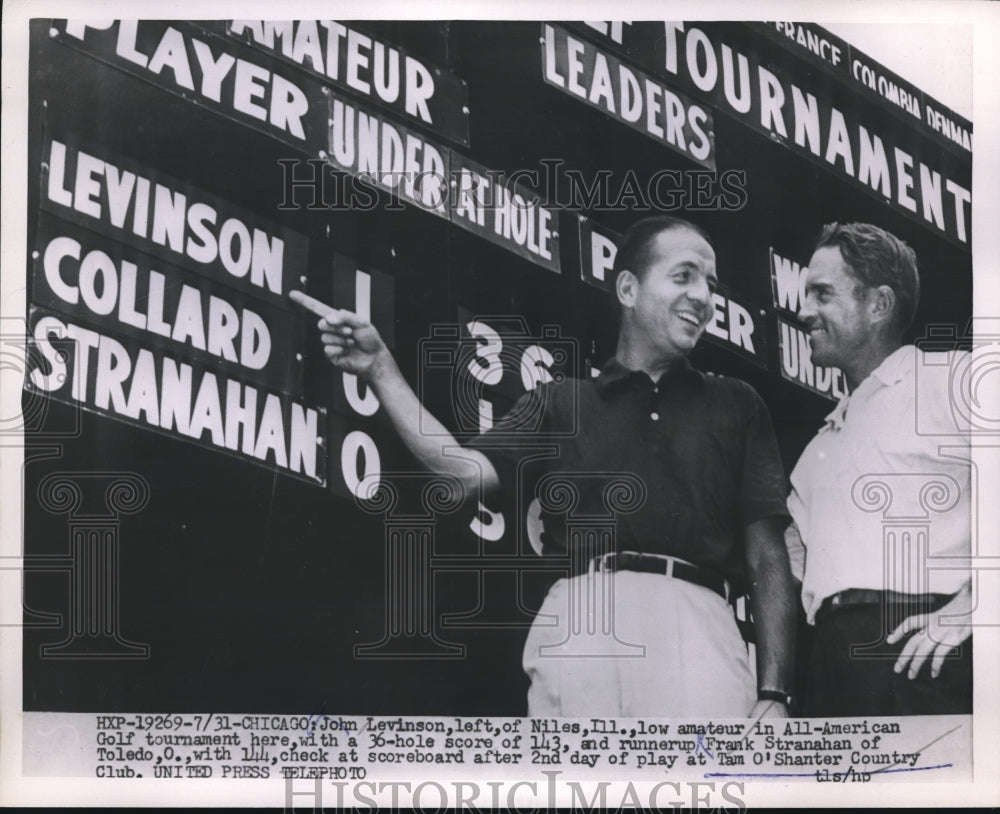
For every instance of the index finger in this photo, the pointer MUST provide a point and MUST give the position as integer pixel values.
(318, 307)
(908, 624)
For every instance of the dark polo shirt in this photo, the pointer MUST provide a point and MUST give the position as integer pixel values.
(701, 446)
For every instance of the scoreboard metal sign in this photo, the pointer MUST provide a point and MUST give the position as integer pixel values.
(463, 185)
(728, 66)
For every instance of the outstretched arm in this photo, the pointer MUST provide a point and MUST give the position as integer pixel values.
(773, 603)
(355, 346)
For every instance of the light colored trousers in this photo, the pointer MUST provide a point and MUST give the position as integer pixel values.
(635, 644)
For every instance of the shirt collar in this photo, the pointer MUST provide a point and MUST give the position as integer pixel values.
(892, 370)
(895, 366)
(835, 419)
(614, 374)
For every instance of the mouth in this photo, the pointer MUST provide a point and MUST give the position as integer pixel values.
(690, 318)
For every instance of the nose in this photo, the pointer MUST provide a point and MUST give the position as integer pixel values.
(807, 310)
(699, 291)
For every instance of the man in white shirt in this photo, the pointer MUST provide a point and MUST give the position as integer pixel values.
(880, 497)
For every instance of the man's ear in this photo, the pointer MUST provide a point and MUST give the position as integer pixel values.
(882, 303)
(625, 286)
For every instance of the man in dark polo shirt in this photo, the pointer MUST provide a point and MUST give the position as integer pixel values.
(687, 464)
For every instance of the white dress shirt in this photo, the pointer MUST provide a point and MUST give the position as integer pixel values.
(883, 490)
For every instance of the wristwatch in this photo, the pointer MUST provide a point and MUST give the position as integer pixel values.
(775, 695)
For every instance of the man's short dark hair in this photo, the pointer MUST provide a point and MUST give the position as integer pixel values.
(876, 257)
(636, 244)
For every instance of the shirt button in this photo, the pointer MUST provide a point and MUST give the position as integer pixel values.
(654, 416)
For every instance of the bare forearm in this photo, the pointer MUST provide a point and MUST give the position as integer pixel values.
(354, 346)
(773, 605)
(426, 437)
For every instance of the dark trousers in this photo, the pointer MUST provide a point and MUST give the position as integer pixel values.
(850, 671)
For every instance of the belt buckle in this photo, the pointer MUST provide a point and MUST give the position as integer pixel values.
(600, 563)
(670, 567)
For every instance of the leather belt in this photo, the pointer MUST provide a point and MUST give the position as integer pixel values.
(661, 564)
(856, 597)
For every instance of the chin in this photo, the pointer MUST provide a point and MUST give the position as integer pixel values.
(687, 340)
(818, 356)
(820, 359)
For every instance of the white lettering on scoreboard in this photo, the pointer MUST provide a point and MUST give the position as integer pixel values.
(389, 155)
(367, 66)
(155, 213)
(788, 284)
(579, 69)
(441, 181)
(503, 212)
(109, 289)
(833, 127)
(822, 130)
(203, 350)
(184, 63)
(797, 366)
(152, 390)
(371, 67)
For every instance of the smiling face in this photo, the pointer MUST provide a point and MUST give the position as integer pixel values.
(669, 303)
(838, 322)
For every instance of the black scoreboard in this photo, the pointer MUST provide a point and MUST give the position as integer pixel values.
(203, 523)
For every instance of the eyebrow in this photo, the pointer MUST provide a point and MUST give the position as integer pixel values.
(689, 265)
